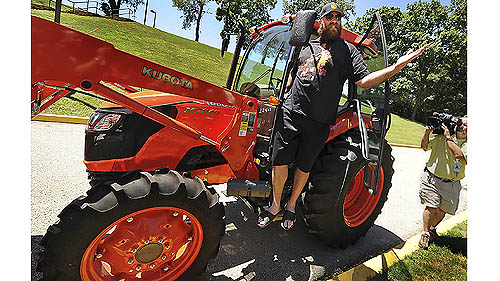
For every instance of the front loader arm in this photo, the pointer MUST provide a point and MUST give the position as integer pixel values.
(65, 59)
(62, 54)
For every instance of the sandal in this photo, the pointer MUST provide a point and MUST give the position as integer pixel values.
(288, 216)
(266, 218)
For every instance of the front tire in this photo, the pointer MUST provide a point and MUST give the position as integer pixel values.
(342, 217)
(158, 227)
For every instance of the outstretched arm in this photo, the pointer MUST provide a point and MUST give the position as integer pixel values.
(377, 77)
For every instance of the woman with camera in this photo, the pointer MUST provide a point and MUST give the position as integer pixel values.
(440, 183)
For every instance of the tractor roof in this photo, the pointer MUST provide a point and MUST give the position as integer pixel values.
(349, 36)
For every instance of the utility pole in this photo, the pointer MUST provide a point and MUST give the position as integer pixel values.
(57, 16)
(154, 20)
(145, 12)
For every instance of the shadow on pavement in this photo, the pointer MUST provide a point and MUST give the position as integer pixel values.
(250, 253)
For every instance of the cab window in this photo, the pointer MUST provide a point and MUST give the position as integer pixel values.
(262, 71)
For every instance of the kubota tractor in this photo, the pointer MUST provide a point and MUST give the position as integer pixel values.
(150, 213)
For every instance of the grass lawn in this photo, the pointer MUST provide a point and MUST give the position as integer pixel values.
(444, 260)
(193, 58)
(404, 131)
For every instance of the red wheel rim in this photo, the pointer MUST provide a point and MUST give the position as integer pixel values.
(359, 204)
(153, 244)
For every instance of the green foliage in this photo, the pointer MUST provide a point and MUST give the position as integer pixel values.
(112, 7)
(391, 16)
(249, 12)
(192, 12)
(437, 80)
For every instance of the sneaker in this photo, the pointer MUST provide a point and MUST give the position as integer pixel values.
(434, 235)
(424, 240)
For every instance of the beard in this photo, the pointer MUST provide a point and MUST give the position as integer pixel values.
(329, 33)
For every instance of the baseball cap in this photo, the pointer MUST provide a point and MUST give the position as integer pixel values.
(330, 7)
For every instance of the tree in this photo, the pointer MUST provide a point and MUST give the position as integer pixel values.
(193, 11)
(391, 16)
(293, 6)
(437, 80)
(112, 7)
(249, 12)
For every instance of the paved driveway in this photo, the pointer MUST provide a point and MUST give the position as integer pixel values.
(247, 252)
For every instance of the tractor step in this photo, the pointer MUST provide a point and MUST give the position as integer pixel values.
(248, 188)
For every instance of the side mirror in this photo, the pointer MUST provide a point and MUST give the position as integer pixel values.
(225, 44)
(303, 26)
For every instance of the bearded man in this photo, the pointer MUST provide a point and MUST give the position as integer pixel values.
(303, 122)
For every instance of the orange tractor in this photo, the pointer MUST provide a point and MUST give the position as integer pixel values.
(151, 156)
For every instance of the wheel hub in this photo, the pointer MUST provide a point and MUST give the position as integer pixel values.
(159, 243)
(149, 252)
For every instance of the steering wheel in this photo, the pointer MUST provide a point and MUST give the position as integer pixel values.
(278, 83)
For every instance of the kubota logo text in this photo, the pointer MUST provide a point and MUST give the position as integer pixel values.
(167, 78)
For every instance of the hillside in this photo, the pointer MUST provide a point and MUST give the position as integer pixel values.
(179, 53)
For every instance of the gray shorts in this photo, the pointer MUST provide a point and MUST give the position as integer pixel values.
(436, 193)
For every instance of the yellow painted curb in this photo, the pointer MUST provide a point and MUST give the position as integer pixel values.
(61, 118)
(383, 261)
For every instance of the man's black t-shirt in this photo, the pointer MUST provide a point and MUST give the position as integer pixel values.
(332, 64)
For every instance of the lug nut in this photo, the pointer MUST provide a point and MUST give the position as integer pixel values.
(138, 268)
(152, 266)
(130, 219)
(98, 256)
(130, 261)
(134, 250)
(146, 241)
(164, 257)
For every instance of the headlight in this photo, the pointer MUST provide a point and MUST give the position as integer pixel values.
(103, 121)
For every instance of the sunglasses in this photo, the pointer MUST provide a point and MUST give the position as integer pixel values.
(331, 16)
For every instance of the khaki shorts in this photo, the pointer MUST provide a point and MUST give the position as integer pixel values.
(436, 193)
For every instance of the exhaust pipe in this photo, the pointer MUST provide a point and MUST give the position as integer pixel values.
(248, 188)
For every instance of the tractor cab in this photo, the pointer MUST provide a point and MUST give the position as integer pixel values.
(263, 74)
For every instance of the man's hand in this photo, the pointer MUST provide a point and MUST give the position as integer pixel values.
(410, 55)
(446, 132)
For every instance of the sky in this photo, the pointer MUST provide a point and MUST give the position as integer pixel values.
(168, 18)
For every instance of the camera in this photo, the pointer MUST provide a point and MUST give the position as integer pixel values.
(450, 121)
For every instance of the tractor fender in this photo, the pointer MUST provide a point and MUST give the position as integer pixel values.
(347, 121)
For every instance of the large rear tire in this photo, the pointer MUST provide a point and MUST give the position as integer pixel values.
(342, 217)
(160, 226)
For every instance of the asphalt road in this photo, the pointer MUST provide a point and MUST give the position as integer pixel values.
(247, 252)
